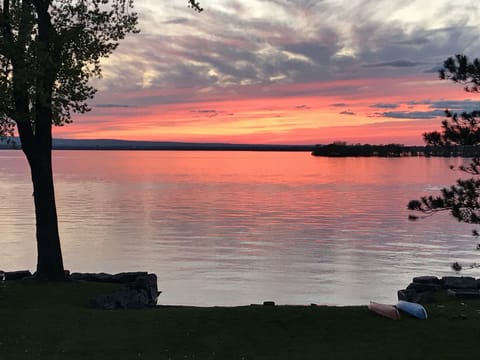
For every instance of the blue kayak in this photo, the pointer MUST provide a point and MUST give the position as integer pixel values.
(413, 309)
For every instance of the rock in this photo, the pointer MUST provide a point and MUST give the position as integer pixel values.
(406, 294)
(459, 282)
(98, 277)
(17, 275)
(465, 293)
(120, 278)
(128, 277)
(148, 283)
(142, 293)
(123, 298)
(427, 280)
(424, 297)
(421, 287)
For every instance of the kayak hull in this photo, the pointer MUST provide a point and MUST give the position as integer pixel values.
(412, 309)
(388, 311)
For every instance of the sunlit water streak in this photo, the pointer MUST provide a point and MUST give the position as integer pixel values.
(229, 228)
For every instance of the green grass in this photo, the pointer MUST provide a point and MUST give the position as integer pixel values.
(51, 321)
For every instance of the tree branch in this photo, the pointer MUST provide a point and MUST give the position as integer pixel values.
(195, 5)
(6, 26)
(461, 70)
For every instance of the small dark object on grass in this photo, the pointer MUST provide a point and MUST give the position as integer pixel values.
(269, 303)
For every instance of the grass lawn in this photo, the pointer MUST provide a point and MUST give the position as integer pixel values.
(51, 321)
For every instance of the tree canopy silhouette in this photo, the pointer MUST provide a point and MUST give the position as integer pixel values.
(49, 50)
(462, 200)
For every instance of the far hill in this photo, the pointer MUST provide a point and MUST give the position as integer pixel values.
(112, 144)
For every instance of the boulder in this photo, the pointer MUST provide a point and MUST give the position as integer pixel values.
(142, 293)
(123, 298)
(120, 278)
(148, 284)
(459, 282)
(406, 294)
(17, 275)
(425, 297)
(465, 293)
(98, 277)
(427, 280)
(421, 287)
(128, 277)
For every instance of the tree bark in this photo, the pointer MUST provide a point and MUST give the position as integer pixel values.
(49, 254)
(38, 150)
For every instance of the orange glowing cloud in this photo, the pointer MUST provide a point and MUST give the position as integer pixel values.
(362, 110)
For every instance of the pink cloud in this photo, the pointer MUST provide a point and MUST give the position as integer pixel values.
(282, 113)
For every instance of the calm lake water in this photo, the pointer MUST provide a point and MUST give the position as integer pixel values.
(234, 228)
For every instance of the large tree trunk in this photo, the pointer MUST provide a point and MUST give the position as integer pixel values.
(34, 119)
(49, 254)
(49, 258)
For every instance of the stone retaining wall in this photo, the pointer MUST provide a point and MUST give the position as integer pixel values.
(139, 290)
(422, 289)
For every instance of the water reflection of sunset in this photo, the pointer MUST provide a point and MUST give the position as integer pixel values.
(211, 166)
(238, 227)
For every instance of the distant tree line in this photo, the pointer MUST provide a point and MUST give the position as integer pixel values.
(342, 149)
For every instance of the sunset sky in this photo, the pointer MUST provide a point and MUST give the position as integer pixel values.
(283, 71)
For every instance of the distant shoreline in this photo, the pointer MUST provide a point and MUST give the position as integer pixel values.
(260, 148)
(107, 144)
(338, 149)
